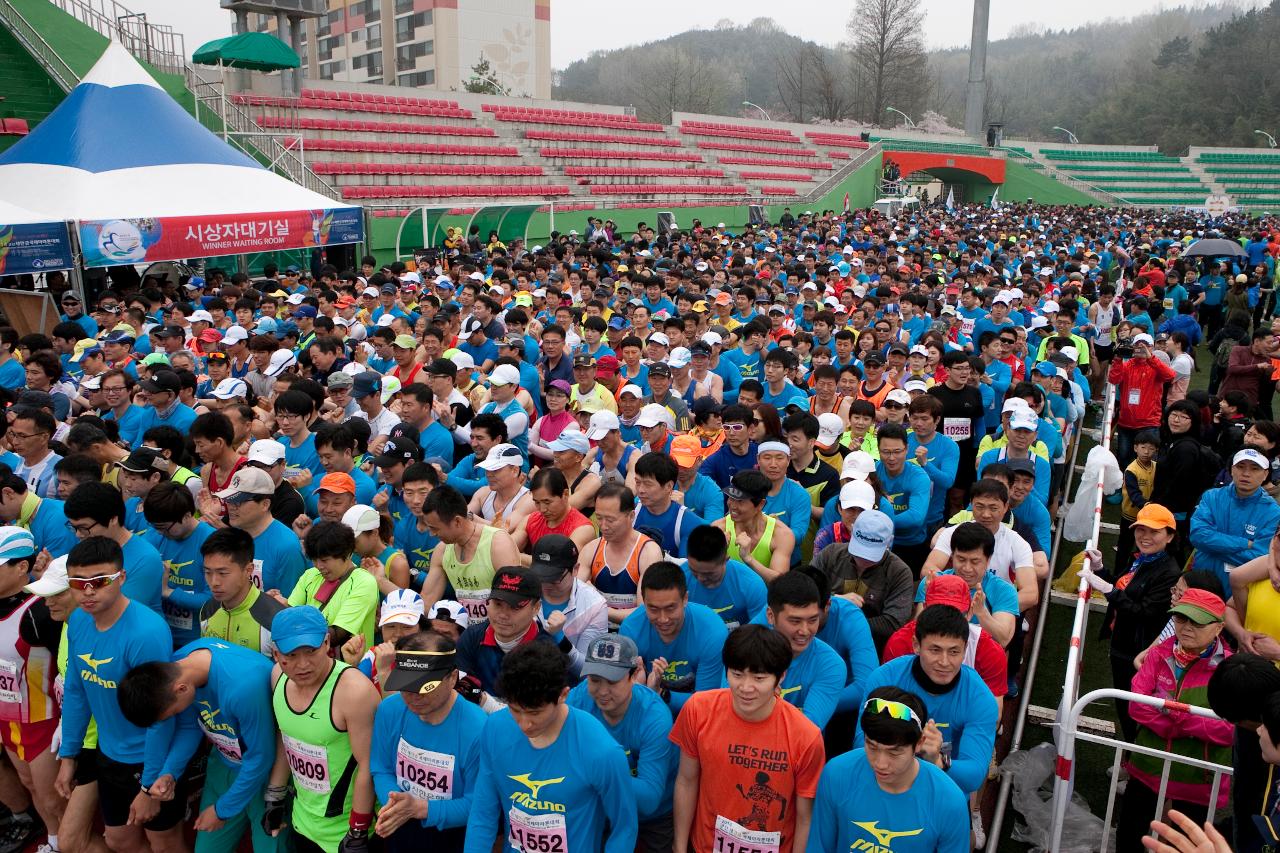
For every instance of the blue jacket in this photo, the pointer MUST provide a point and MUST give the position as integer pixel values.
(909, 493)
(1183, 323)
(1229, 530)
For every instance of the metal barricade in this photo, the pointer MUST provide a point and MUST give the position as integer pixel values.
(1046, 591)
(1069, 734)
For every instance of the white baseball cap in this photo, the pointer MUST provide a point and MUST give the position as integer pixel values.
(1143, 338)
(505, 374)
(1248, 454)
(52, 581)
(857, 465)
(450, 611)
(281, 360)
(830, 428)
(659, 338)
(653, 414)
(859, 494)
(502, 456)
(200, 316)
(711, 338)
(1024, 419)
(235, 335)
(265, 451)
(633, 390)
(871, 536)
(230, 388)
(403, 606)
(679, 357)
(602, 423)
(361, 518)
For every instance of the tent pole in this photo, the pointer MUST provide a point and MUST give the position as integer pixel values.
(77, 265)
(426, 231)
(222, 93)
(551, 225)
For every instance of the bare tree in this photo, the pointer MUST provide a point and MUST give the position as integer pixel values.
(813, 82)
(662, 80)
(888, 53)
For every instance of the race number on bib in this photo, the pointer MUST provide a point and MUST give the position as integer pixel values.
(10, 683)
(544, 833)
(257, 574)
(1135, 396)
(225, 744)
(957, 429)
(425, 774)
(476, 601)
(733, 837)
(309, 763)
(177, 617)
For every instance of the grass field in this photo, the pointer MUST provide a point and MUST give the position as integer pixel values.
(1092, 761)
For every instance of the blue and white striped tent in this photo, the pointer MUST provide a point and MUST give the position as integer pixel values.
(119, 147)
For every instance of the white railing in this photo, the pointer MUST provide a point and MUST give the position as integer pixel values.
(159, 45)
(238, 128)
(41, 51)
(1064, 771)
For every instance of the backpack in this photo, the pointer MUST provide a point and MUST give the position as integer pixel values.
(1222, 355)
(1210, 465)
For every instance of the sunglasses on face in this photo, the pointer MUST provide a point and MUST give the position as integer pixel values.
(732, 427)
(95, 582)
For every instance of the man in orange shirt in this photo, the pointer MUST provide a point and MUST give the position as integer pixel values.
(749, 762)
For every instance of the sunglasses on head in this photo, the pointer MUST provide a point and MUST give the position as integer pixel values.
(897, 710)
(95, 582)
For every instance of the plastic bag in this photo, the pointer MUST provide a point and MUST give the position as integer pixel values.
(1032, 777)
(1078, 524)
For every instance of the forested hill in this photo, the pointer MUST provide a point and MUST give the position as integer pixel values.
(1183, 76)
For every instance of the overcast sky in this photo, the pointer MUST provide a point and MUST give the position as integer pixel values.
(579, 27)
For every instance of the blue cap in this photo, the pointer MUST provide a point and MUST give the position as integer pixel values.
(571, 441)
(298, 627)
(283, 330)
(305, 311)
(1045, 368)
(871, 536)
(118, 338)
(16, 544)
(265, 325)
(617, 321)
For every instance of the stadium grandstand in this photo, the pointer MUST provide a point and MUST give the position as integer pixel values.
(421, 160)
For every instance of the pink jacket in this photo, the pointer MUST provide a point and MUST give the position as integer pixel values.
(1178, 731)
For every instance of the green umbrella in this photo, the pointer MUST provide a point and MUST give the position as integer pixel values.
(252, 51)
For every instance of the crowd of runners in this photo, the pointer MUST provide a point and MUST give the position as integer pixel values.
(713, 540)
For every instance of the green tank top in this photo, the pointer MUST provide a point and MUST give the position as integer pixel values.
(763, 550)
(471, 580)
(320, 760)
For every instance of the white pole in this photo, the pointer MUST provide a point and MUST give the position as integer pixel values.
(222, 93)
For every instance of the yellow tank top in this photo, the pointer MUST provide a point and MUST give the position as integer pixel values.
(1146, 481)
(763, 550)
(1263, 612)
(473, 579)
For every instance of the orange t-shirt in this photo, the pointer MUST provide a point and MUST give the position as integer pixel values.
(751, 772)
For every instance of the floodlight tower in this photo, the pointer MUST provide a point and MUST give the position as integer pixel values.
(974, 107)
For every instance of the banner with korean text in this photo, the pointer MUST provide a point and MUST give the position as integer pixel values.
(132, 241)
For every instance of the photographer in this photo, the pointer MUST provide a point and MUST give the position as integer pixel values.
(1140, 381)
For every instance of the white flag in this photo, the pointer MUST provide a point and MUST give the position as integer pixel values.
(951, 199)
(995, 205)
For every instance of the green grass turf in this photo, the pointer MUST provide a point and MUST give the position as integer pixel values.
(1092, 761)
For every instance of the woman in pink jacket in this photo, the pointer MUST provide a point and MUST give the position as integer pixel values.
(1177, 670)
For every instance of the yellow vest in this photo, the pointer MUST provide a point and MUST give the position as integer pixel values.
(1146, 476)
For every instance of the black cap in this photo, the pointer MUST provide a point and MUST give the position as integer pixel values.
(704, 406)
(515, 585)
(700, 348)
(1021, 466)
(873, 358)
(553, 555)
(162, 380)
(659, 368)
(584, 360)
(419, 671)
(899, 349)
(140, 461)
(405, 432)
(443, 367)
(396, 451)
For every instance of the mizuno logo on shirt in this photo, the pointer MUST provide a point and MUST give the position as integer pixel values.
(93, 662)
(535, 786)
(883, 837)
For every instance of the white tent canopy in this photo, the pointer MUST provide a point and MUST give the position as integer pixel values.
(145, 181)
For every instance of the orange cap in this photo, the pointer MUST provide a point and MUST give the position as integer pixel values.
(686, 450)
(723, 298)
(1156, 517)
(337, 481)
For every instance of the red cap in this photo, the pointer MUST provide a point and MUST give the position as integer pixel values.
(950, 590)
(607, 365)
(1200, 606)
